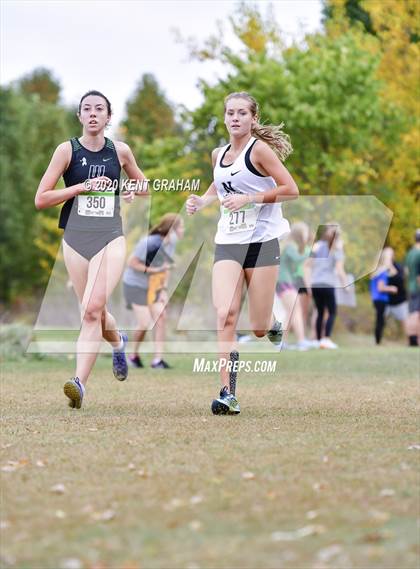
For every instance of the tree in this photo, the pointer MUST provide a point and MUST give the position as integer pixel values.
(395, 26)
(353, 11)
(149, 114)
(40, 82)
(29, 240)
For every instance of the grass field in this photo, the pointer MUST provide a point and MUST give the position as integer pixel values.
(320, 470)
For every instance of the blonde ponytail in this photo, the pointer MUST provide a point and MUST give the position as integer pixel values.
(275, 137)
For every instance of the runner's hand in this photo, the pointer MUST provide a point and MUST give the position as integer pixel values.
(194, 204)
(100, 183)
(233, 203)
(128, 197)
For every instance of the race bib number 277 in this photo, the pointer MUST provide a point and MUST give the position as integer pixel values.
(243, 219)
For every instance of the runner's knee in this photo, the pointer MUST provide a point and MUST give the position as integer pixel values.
(94, 313)
(226, 316)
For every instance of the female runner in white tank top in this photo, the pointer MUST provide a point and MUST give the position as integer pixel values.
(250, 181)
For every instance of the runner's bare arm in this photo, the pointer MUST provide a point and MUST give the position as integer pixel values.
(268, 163)
(47, 195)
(130, 167)
(195, 203)
(137, 265)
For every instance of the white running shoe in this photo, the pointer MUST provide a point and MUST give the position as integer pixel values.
(327, 344)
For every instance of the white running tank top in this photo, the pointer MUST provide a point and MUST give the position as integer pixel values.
(253, 223)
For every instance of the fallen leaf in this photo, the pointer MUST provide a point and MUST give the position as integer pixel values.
(58, 489)
(40, 463)
(311, 515)
(105, 516)
(13, 465)
(318, 486)
(297, 534)
(329, 552)
(248, 475)
(195, 525)
(386, 492)
(196, 500)
(174, 504)
(7, 445)
(142, 473)
(373, 537)
(9, 468)
(413, 447)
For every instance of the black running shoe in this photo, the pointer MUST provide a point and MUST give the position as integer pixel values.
(226, 404)
(161, 364)
(275, 335)
(135, 361)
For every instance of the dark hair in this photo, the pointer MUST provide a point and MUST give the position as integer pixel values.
(165, 224)
(97, 94)
(328, 233)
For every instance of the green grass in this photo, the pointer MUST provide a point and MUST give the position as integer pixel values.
(326, 439)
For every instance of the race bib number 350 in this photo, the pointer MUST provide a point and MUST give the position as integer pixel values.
(96, 204)
(243, 219)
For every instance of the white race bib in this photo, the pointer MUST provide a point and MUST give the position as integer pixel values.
(244, 219)
(96, 204)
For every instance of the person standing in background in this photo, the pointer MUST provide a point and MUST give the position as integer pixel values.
(325, 263)
(412, 264)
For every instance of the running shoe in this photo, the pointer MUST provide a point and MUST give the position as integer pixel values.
(135, 361)
(161, 364)
(226, 404)
(75, 391)
(327, 344)
(119, 361)
(275, 335)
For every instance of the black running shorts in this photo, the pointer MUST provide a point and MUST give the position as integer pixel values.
(251, 255)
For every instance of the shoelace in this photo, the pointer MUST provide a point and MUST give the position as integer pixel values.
(119, 359)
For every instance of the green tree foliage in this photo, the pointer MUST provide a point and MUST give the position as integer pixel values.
(40, 82)
(159, 142)
(327, 95)
(149, 114)
(31, 129)
(329, 92)
(396, 28)
(353, 10)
